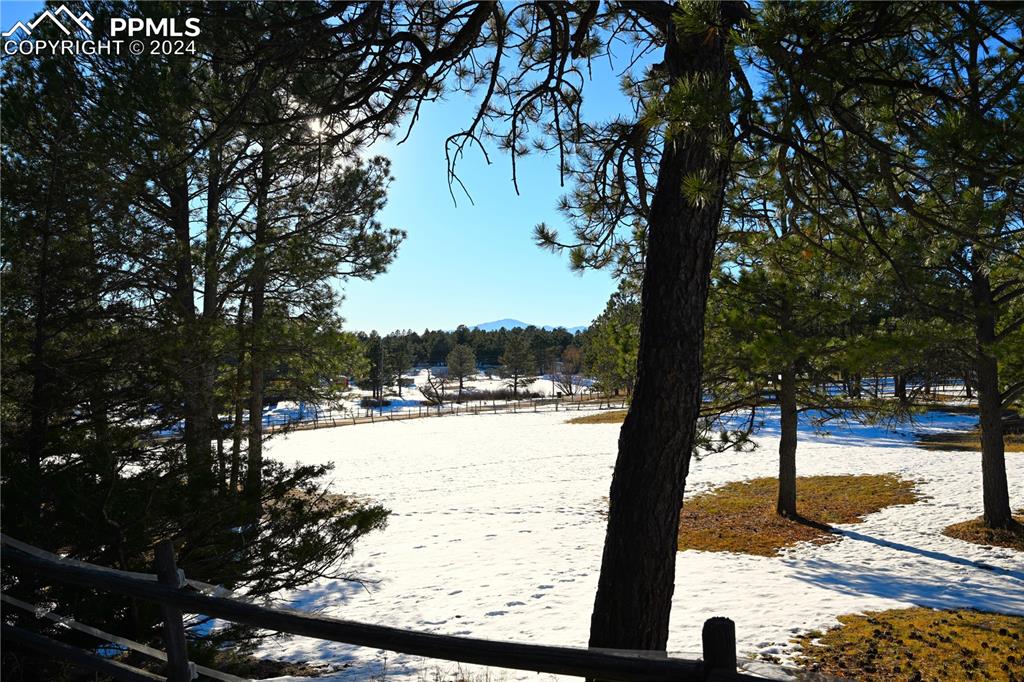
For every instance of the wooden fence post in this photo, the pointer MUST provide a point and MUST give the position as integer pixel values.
(719, 639)
(174, 629)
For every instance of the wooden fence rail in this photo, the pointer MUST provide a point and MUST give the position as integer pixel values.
(176, 597)
(370, 415)
(83, 659)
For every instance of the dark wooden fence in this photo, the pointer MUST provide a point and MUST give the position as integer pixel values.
(333, 418)
(176, 595)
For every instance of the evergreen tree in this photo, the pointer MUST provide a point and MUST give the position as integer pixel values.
(401, 356)
(461, 365)
(517, 362)
(380, 369)
(610, 343)
(778, 324)
(151, 274)
(913, 135)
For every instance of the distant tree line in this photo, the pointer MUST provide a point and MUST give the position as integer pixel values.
(537, 351)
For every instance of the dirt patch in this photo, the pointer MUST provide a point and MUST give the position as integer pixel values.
(966, 440)
(740, 516)
(919, 644)
(946, 442)
(611, 417)
(975, 531)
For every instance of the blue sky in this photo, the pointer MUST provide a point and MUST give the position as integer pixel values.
(475, 262)
(468, 263)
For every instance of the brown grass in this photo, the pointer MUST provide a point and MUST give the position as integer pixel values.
(975, 531)
(919, 644)
(966, 440)
(611, 417)
(740, 516)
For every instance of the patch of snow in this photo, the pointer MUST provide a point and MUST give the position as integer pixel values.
(496, 532)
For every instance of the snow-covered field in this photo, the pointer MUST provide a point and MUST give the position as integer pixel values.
(495, 532)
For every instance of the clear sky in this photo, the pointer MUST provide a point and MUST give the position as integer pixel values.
(475, 262)
(468, 263)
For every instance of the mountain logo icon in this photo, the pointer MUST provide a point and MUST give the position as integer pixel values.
(75, 22)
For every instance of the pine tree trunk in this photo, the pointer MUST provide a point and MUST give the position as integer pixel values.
(238, 425)
(236, 443)
(40, 406)
(222, 463)
(258, 286)
(254, 463)
(207, 358)
(852, 382)
(900, 387)
(637, 579)
(993, 461)
(786, 503)
(995, 491)
(195, 398)
(39, 410)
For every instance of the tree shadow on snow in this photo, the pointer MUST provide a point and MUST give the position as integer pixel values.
(930, 553)
(938, 592)
(325, 594)
(838, 431)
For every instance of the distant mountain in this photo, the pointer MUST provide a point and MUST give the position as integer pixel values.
(509, 323)
(494, 326)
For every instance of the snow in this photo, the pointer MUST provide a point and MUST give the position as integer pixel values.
(496, 532)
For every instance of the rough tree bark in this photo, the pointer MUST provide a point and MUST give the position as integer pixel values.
(196, 409)
(39, 410)
(855, 385)
(238, 425)
(786, 503)
(257, 295)
(634, 593)
(207, 353)
(900, 387)
(995, 492)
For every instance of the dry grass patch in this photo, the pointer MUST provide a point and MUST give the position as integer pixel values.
(612, 417)
(740, 516)
(919, 644)
(966, 440)
(975, 531)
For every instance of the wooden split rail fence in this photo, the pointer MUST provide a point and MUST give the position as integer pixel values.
(369, 415)
(177, 596)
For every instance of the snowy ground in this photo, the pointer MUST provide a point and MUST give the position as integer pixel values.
(496, 533)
